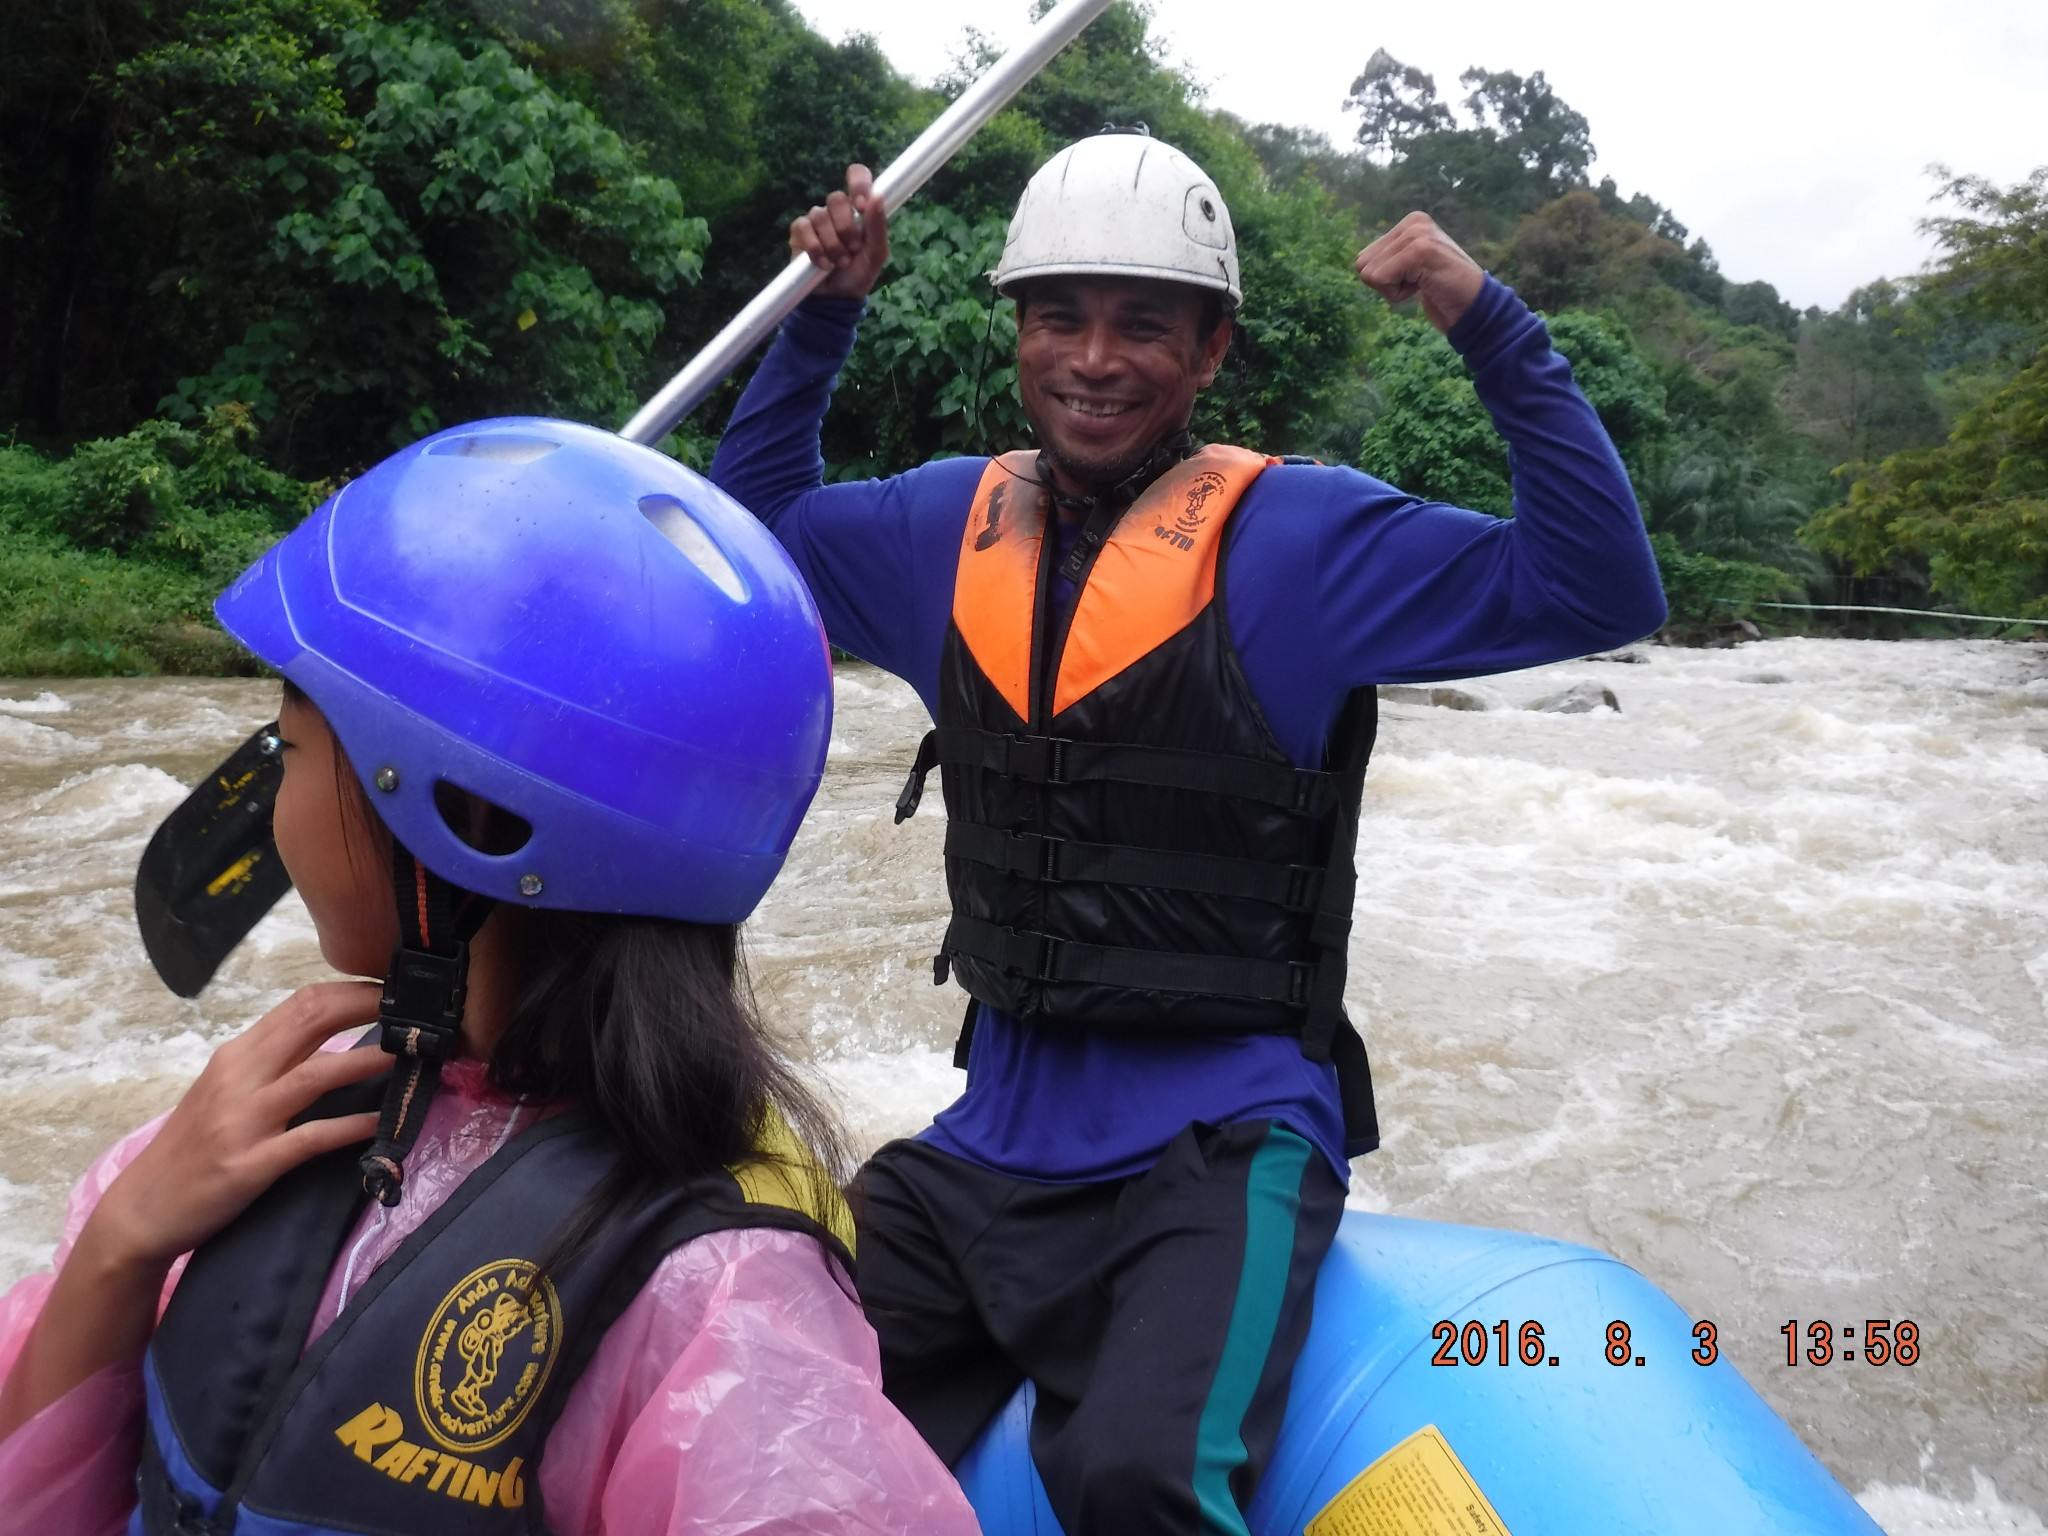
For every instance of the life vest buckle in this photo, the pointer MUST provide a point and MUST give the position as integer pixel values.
(1330, 930)
(1301, 983)
(1035, 759)
(1304, 887)
(1313, 793)
(1048, 859)
(188, 1518)
(1034, 955)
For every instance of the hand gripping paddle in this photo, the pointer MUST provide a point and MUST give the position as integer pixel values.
(212, 870)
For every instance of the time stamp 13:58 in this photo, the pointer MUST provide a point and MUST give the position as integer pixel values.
(1877, 1341)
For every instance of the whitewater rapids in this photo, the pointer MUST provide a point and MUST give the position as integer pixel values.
(1744, 983)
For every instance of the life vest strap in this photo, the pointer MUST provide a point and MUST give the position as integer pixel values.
(1297, 887)
(1055, 760)
(920, 769)
(1042, 957)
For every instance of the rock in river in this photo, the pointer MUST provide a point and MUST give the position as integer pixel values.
(1579, 699)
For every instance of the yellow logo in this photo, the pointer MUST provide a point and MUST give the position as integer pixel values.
(486, 1355)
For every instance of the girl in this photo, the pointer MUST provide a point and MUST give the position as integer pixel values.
(554, 708)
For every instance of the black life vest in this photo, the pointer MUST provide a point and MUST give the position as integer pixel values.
(1128, 847)
(425, 1406)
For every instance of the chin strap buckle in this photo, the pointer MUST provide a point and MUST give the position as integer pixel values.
(420, 1018)
(421, 1010)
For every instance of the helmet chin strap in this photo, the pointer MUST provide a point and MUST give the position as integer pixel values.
(420, 1014)
(1164, 454)
(1099, 512)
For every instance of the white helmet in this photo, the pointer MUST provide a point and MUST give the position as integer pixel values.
(1122, 205)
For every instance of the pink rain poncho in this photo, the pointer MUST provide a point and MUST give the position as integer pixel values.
(739, 1393)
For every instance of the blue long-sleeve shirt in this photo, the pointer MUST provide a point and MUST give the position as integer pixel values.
(1336, 581)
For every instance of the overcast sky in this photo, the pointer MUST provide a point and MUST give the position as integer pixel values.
(1794, 135)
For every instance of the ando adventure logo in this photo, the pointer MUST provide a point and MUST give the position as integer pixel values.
(486, 1355)
(1194, 499)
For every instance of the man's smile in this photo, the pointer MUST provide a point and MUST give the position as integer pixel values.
(1098, 408)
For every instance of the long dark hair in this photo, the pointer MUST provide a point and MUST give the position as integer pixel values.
(648, 1023)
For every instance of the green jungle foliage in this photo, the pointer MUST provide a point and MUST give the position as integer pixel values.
(1973, 508)
(249, 246)
(110, 556)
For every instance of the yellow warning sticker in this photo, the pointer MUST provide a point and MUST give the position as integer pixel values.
(1419, 1488)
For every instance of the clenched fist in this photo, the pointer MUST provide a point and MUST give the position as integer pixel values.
(1417, 260)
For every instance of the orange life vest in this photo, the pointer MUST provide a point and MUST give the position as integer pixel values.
(1128, 847)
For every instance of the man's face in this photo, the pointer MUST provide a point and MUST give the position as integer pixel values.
(1109, 366)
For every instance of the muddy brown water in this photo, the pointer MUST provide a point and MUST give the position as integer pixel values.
(1745, 983)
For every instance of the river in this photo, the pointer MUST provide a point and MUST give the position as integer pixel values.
(1744, 983)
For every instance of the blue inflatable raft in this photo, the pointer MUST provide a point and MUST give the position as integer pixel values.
(1614, 1416)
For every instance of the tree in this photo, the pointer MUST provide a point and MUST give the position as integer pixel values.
(1997, 261)
(1575, 251)
(1396, 102)
(1548, 137)
(1521, 147)
(1975, 508)
(472, 242)
(360, 228)
(1861, 390)
(1729, 505)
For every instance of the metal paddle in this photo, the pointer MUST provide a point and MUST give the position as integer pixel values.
(910, 170)
(211, 870)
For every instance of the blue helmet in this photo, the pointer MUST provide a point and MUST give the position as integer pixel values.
(572, 627)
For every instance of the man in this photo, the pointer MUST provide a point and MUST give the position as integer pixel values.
(1151, 672)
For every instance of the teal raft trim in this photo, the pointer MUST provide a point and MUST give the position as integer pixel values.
(1272, 1207)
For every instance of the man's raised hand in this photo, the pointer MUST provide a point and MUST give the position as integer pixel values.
(848, 236)
(1416, 259)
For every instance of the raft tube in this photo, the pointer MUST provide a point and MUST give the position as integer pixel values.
(1381, 1438)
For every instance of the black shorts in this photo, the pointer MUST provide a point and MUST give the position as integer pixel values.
(1160, 1315)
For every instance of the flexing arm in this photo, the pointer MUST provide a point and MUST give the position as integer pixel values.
(1413, 590)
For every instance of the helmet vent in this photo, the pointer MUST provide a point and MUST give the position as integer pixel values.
(489, 829)
(673, 521)
(499, 447)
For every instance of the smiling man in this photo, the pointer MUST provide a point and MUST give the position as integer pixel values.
(1151, 669)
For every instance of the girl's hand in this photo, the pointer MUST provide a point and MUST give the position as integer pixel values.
(230, 1138)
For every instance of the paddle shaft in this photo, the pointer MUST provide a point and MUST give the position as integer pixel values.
(911, 170)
